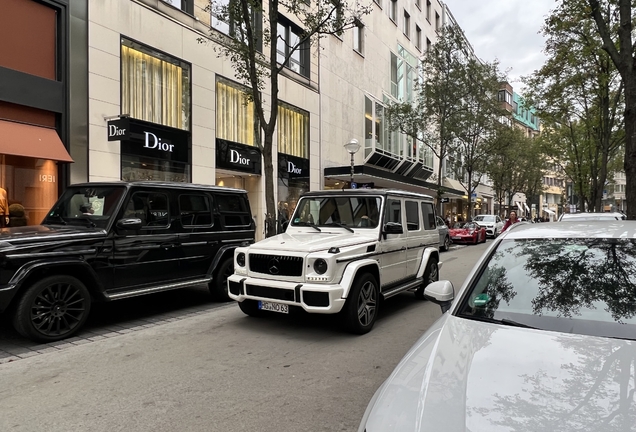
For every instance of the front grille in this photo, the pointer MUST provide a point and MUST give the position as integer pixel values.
(271, 293)
(276, 265)
(312, 298)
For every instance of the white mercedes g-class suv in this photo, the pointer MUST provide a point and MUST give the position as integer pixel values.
(342, 252)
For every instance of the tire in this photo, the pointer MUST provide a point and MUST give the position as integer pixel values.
(446, 245)
(250, 307)
(62, 304)
(361, 309)
(431, 274)
(218, 286)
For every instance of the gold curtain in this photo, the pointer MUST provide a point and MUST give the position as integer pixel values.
(152, 89)
(235, 120)
(293, 132)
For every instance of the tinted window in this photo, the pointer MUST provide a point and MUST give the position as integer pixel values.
(78, 205)
(151, 207)
(393, 212)
(195, 210)
(412, 216)
(583, 286)
(234, 210)
(428, 215)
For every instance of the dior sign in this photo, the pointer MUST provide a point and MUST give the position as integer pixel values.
(118, 129)
(154, 142)
(236, 158)
(293, 169)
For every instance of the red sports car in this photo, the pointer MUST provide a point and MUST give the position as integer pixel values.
(469, 232)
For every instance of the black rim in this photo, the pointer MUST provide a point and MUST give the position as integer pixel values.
(432, 274)
(58, 309)
(367, 303)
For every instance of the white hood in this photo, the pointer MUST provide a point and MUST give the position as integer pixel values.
(465, 375)
(314, 241)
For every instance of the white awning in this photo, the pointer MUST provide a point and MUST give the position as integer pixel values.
(526, 206)
(548, 211)
(520, 206)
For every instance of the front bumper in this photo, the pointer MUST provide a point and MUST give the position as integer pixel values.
(463, 239)
(490, 231)
(314, 298)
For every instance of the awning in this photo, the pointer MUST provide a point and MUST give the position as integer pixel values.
(548, 211)
(457, 190)
(526, 206)
(20, 139)
(520, 206)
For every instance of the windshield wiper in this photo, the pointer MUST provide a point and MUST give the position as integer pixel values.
(504, 321)
(512, 323)
(308, 224)
(62, 221)
(339, 225)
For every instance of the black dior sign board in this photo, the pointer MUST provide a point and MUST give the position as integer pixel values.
(292, 166)
(118, 129)
(238, 157)
(156, 141)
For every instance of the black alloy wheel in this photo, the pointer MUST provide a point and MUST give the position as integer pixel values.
(218, 286)
(52, 309)
(361, 309)
(431, 274)
(447, 244)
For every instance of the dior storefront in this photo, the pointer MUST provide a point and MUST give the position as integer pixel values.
(293, 181)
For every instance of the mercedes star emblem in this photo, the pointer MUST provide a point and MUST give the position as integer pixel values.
(272, 265)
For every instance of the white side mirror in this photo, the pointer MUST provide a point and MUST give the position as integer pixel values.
(442, 293)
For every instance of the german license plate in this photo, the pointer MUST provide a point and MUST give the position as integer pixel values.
(273, 307)
(456, 238)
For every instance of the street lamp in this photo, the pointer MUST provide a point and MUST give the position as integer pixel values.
(352, 147)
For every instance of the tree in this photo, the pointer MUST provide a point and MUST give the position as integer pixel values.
(428, 118)
(618, 43)
(259, 54)
(577, 94)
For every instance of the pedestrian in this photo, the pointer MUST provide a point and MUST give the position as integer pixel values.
(512, 219)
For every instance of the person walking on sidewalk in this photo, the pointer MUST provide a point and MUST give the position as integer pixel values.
(512, 219)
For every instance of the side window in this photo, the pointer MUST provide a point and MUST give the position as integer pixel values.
(428, 215)
(195, 210)
(498, 219)
(234, 210)
(412, 216)
(152, 208)
(393, 211)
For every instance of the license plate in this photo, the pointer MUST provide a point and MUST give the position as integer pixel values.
(456, 238)
(273, 307)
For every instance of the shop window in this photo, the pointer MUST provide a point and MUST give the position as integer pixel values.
(151, 208)
(235, 118)
(155, 87)
(412, 216)
(289, 49)
(428, 214)
(135, 168)
(293, 131)
(195, 210)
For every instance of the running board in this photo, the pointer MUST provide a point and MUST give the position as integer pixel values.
(155, 289)
(410, 285)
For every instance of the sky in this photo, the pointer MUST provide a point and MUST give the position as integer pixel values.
(506, 30)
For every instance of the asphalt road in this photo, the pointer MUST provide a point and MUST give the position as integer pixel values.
(218, 370)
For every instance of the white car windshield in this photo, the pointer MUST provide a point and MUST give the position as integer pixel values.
(484, 218)
(352, 212)
(578, 285)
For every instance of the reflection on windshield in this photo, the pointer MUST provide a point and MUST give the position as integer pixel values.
(585, 286)
(85, 206)
(352, 212)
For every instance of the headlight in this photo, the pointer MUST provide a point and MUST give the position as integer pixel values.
(320, 266)
(240, 259)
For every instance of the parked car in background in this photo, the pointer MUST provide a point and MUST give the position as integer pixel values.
(467, 232)
(540, 337)
(592, 216)
(109, 241)
(342, 252)
(492, 223)
(444, 236)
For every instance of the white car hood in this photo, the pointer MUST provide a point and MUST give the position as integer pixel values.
(465, 375)
(313, 242)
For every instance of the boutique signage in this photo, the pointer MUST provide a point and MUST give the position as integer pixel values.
(238, 157)
(292, 166)
(146, 139)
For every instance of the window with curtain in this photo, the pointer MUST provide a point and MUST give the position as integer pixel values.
(235, 118)
(293, 131)
(155, 87)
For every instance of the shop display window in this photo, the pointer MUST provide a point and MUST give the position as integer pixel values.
(28, 189)
(134, 168)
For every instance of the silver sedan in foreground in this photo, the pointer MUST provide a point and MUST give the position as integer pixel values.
(541, 337)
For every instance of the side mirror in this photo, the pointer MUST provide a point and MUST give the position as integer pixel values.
(129, 224)
(440, 292)
(392, 228)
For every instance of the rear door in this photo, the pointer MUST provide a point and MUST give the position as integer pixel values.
(414, 236)
(393, 246)
(149, 256)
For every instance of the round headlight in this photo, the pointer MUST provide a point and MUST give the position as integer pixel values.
(320, 266)
(240, 259)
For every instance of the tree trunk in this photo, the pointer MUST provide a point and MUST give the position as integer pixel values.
(630, 148)
(270, 202)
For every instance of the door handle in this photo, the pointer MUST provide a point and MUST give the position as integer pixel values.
(168, 245)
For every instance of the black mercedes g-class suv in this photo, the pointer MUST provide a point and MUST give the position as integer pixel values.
(108, 241)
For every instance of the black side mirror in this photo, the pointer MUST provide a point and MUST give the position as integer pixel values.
(392, 228)
(129, 224)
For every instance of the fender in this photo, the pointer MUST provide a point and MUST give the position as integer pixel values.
(425, 256)
(219, 255)
(27, 269)
(350, 273)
